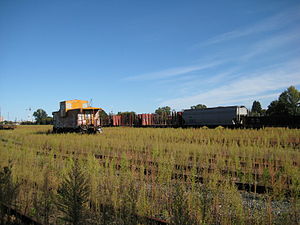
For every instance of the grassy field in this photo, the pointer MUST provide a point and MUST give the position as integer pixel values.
(184, 176)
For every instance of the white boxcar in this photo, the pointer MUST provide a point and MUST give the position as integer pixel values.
(218, 116)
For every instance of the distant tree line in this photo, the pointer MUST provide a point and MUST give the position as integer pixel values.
(6, 122)
(28, 123)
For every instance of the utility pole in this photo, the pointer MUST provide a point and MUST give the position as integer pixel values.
(1, 118)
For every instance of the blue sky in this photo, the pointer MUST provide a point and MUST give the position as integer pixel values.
(140, 55)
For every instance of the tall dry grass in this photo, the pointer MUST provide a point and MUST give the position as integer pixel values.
(132, 171)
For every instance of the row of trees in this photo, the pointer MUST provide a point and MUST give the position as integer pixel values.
(167, 110)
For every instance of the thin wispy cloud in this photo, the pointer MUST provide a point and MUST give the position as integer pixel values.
(244, 89)
(269, 24)
(172, 72)
(237, 72)
(192, 85)
(222, 76)
(273, 42)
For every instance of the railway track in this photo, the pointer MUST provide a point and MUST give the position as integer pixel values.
(187, 173)
(22, 219)
(183, 172)
(152, 170)
(190, 171)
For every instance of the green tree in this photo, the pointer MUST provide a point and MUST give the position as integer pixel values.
(288, 103)
(256, 109)
(291, 99)
(277, 108)
(40, 115)
(199, 106)
(166, 110)
(72, 196)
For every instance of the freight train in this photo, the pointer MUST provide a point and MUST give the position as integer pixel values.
(78, 116)
(229, 116)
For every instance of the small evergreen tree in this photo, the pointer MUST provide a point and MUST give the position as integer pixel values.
(256, 109)
(72, 195)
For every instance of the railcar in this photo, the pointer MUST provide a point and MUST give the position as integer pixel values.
(76, 116)
(229, 116)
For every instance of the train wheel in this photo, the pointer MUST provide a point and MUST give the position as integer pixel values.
(83, 130)
(99, 130)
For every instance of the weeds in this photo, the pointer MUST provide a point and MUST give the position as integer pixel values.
(173, 174)
(73, 195)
